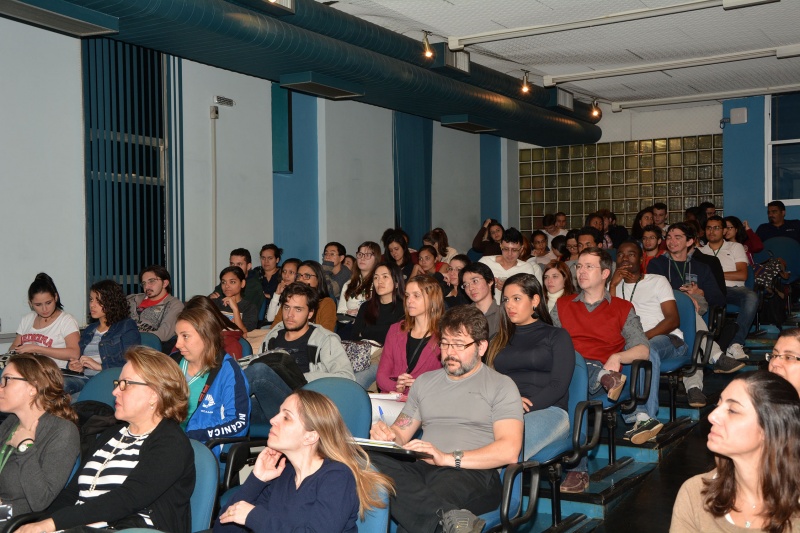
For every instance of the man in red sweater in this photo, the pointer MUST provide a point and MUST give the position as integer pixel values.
(605, 330)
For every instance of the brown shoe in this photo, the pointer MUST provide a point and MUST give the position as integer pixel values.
(613, 383)
(575, 482)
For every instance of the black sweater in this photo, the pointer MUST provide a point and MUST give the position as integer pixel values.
(161, 484)
(388, 314)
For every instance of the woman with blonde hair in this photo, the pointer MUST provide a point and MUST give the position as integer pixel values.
(412, 345)
(140, 475)
(310, 477)
(39, 412)
(214, 378)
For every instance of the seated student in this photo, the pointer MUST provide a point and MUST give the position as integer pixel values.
(141, 475)
(438, 239)
(489, 237)
(288, 275)
(336, 273)
(557, 283)
(473, 426)
(219, 398)
(40, 436)
(540, 252)
(643, 218)
(310, 273)
(605, 331)
(428, 263)
(357, 290)
(349, 262)
(737, 231)
(396, 250)
(253, 291)
(755, 485)
(778, 225)
(411, 347)
(155, 310)
(231, 334)
(384, 307)
(572, 247)
(317, 351)
(617, 234)
(587, 237)
(269, 273)
(539, 358)
(477, 281)
(310, 477)
(785, 357)
(552, 231)
(733, 258)
(654, 303)
(47, 330)
(232, 304)
(595, 221)
(508, 263)
(454, 293)
(651, 245)
(103, 343)
(559, 247)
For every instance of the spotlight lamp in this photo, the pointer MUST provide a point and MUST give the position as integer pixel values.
(525, 86)
(596, 112)
(426, 44)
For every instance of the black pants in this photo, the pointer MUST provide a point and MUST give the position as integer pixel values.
(423, 492)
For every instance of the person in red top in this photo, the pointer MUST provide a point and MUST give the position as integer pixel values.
(605, 330)
(651, 245)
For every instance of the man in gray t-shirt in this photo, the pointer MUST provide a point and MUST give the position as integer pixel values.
(471, 417)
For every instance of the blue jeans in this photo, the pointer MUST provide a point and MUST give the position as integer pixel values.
(269, 390)
(366, 377)
(543, 428)
(747, 301)
(73, 385)
(661, 349)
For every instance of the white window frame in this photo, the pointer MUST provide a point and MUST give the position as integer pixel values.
(768, 154)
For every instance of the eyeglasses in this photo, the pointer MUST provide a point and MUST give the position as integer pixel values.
(588, 268)
(474, 282)
(507, 249)
(306, 276)
(572, 247)
(444, 346)
(123, 383)
(4, 380)
(150, 281)
(779, 356)
(365, 255)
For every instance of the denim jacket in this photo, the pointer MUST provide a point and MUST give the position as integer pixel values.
(119, 337)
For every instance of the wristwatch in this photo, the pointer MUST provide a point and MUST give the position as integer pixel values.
(457, 455)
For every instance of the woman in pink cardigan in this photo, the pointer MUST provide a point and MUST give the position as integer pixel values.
(412, 346)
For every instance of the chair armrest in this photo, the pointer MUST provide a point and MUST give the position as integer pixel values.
(213, 443)
(637, 396)
(512, 471)
(702, 344)
(716, 319)
(15, 522)
(238, 456)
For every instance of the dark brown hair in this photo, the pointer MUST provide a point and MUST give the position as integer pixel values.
(112, 300)
(561, 266)
(363, 285)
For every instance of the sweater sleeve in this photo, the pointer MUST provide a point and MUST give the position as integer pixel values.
(478, 243)
(341, 308)
(130, 335)
(753, 242)
(162, 464)
(166, 329)
(273, 308)
(393, 350)
(46, 473)
(333, 360)
(326, 314)
(563, 354)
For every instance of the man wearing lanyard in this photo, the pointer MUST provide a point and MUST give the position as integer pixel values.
(687, 274)
(733, 258)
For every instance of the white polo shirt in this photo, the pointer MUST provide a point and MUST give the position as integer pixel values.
(729, 254)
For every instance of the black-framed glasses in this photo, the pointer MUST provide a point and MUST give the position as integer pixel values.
(4, 380)
(365, 255)
(123, 383)
(785, 357)
(444, 346)
(306, 276)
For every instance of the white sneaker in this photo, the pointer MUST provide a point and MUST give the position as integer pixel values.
(736, 351)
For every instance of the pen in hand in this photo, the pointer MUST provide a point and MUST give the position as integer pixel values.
(380, 412)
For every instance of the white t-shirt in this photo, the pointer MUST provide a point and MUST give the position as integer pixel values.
(544, 259)
(520, 268)
(729, 254)
(646, 296)
(551, 237)
(52, 336)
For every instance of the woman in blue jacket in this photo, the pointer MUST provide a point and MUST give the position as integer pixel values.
(219, 395)
(103, 343)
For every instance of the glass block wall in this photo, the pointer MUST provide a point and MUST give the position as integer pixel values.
(621, 176)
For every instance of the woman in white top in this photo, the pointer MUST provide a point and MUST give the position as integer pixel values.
(557, 282)
(48, 330)
(357, 290)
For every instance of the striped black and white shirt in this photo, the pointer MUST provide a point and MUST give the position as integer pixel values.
(109, 467)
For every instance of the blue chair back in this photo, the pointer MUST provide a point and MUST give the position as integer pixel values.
(687, 315)
(100, 387)
(150, 340)
(351, 400)
(262, 312)
(205, 486)
(247, 349)
(376, 520)
(787, 249)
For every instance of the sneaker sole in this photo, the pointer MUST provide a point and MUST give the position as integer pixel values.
(731, 371)
(614, 393)
(644, 436)
(575, 490)
(698, 404)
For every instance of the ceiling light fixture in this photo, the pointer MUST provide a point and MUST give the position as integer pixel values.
(525, 87)
(427, 44)
(596, 112)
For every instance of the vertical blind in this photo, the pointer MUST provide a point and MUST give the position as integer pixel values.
(127, 100)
